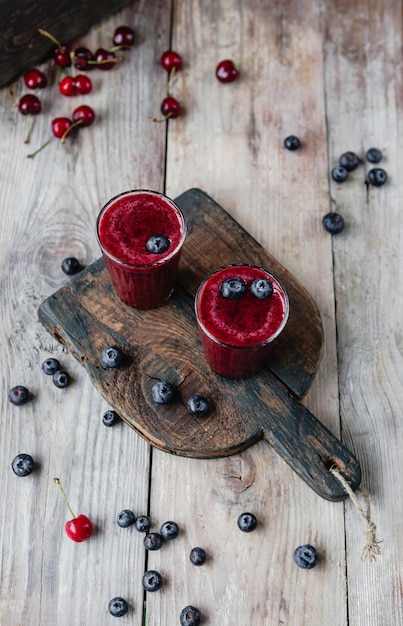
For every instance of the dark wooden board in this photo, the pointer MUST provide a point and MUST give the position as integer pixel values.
(22, 47)
(86, 316)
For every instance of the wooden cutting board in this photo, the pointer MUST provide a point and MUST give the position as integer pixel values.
(164, 343)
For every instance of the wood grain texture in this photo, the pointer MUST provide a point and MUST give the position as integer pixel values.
(330, 73)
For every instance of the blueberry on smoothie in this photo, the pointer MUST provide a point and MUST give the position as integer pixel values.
(157, 244)
(233, 288)
(261, 288)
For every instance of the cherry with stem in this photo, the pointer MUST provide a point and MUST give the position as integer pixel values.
(80, 527)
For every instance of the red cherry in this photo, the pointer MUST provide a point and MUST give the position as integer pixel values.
(29, 105)
(105, 59)
(60, 126)
(81, 59)
(35, 79)
(79, 528)
(171, 59)
(226, 71)
(62, 56)
(123, 37)
(84, 115)
(79, 85)
(170, 107)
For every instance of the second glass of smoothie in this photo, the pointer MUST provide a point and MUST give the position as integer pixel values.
(240, 310)
(141, 234)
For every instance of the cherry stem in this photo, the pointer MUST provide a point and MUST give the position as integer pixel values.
(245, 57)
(115, 60)
(120, 47)
(29, 128)
(170, 79)
(70, 128)
(73, 67)
(31, 156)
(164, 119)
(57, 481)
(51, 37)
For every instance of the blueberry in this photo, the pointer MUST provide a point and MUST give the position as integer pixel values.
(61, 379)
(110, 418)
(247, 522)
(233, 288)
(50, 366)
(197, 556)
(261, 288)
(333, 223)
(162, 392)
(349, 160)
(152, 580)
(198, 406)
(169, 530)
(112, 356)
(157, 244)
(126, 518)
(339, 174)
(190, 616)
(71, 266)
(374, 155)
(143, 524)
(377, 177)
(292, 142)
(306, 556)
(118, 607)
(22, 465)
(153, 541)
(18, 395)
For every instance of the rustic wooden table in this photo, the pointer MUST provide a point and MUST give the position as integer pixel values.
(329, 73)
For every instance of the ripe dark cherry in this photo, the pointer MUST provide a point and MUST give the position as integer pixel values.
(81, 57)
(79, 85)
(102, 59)
(62, 56)
(123, 37)
(60, 126)
(170, 107)
(35, 79)
(171, 59)
(29, 105)
(84, 114)
(226, 71)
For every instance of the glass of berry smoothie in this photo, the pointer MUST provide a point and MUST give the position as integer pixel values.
(141, 234)
(240, 310)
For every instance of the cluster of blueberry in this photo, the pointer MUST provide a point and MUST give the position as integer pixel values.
(72, 84)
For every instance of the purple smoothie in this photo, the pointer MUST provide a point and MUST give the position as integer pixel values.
(237, 334)
(141, 278)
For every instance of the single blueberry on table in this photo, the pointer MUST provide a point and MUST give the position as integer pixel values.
(22, 464)
(50, 366)
(71, 266)
(349, 160)
(339, 174)
(377, 177)
(18, 395)
(292, 142)
(373, 155)
(153, 541)
(110, 418)
(333, 223)
(198, 406)
(118, 607)
(305, 556)
(261, 288)
(157, 244)
(197, 556)
(190, 616)
(152, 580)
(162, 392)
(61, 379)
(233, 288)
(126, 518)
(143, 524)
(112, 356)
(169, 530)
(247, 522)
